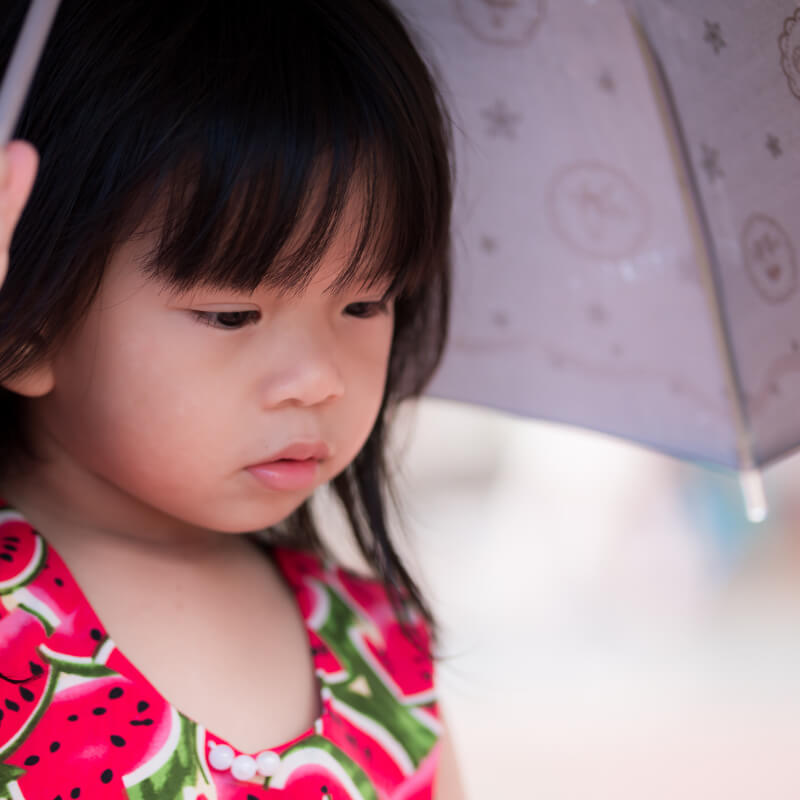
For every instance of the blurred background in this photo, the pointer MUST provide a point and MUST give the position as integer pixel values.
(613, 627)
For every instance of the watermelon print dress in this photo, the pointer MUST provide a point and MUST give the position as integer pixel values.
(78, 720)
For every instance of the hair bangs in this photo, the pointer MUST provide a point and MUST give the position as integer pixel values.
(268, 185)
(249, 224)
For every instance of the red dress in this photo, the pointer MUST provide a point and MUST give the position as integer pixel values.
(77, 719)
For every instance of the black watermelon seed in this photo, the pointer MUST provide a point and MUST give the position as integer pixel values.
(36, 669)
(1, 714)
(142, 706)
(6, 557)
(31, 760)
(11, 539)
(72, 717)
(26, 693)
(251, 797)
(141, 722)
(12, 548)
(57, 797)
(76, 792)
(107, 776)
(115, 693)
(54, 746)
(117, 741)
(323, 788)
(59, 582)
(96, 634)
(11, 705)
(99, 711)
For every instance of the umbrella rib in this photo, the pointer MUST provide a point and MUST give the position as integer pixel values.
(750, 476)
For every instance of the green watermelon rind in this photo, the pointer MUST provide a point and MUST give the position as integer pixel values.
(84, 666)
(318, 750)
(199, 751)
(36, 606)
(46, 624)
(31, 570)
(341, 630)
(168, 772)
(44, 701)
(8, 776)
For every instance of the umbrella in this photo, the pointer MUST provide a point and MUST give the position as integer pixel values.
(627, 179)
(623, 228)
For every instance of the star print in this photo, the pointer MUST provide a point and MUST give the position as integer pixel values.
(500, 319)
(710, 163)
(597, 314)
(713, 36)
(676, 387)
(488, 244)
(774, 145)
(501, 120)
(607, 83)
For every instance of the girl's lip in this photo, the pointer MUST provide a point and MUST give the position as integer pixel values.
(287, 474)
(300, 451)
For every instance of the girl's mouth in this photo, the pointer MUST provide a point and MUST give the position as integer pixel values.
(287, 474)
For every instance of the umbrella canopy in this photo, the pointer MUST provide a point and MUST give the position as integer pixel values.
(627, 180)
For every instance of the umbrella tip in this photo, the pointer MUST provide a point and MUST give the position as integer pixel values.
(755, 499)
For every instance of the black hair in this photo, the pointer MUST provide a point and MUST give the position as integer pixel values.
(233, 113)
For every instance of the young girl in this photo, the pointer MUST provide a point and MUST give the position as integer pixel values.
(232, 267)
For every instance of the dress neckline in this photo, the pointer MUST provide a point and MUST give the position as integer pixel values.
(84, 611)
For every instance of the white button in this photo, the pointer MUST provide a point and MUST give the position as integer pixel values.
(267, 763)
(244, 767)
(221, 757)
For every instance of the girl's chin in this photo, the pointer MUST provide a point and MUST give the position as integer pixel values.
(257, 515)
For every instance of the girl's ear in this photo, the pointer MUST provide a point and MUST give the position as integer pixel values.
(37, 381)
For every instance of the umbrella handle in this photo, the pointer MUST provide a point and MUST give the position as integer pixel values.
(22, 65)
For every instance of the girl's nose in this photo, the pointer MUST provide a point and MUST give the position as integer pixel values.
(306, 373)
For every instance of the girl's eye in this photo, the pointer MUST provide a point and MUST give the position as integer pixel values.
(368, 310)
(228, 320)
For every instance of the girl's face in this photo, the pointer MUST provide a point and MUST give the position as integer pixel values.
(163, 405)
